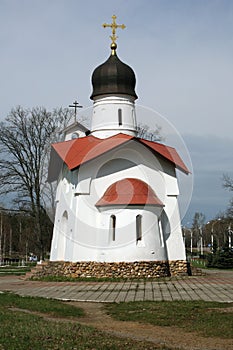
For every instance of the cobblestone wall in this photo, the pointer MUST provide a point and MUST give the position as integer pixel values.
(142, 269)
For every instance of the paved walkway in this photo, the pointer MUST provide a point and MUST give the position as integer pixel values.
(214, 286)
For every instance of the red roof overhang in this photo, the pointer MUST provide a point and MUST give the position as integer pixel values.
(167, 152)
(129, 191)
(79, 151)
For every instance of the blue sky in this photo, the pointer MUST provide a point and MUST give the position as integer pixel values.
(180, 50)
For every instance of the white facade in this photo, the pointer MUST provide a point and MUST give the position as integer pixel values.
(115, 233)
(74, 131)
(112, 115)
(83, 232)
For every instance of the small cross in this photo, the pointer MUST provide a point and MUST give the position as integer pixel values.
(114, 26)
(75, 105)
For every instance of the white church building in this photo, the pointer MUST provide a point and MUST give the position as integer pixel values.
(117, 194)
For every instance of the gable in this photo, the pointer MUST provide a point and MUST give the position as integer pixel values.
(79, 151)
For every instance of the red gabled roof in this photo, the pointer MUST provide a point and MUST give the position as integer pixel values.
(79, 151)
(167, 152)
(129, 191)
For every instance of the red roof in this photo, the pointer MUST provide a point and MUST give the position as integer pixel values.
(167, 152)
(129, 191)
(79, 151)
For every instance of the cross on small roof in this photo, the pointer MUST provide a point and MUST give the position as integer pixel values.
(114, 26)
(75, 105)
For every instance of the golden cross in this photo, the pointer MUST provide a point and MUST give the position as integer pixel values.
(114, 26)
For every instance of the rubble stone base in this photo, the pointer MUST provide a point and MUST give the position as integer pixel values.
(137, 269)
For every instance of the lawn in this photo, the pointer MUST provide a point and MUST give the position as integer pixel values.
(29, 323)
(209, 319)
(22, 330)
(14, 270)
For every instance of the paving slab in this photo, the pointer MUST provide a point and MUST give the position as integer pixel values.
(214, 286)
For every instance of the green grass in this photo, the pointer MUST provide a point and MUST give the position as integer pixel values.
(52, 307)
(14, 270)
(206, 318)
(200, 263)
(24, 331)
(203, 264)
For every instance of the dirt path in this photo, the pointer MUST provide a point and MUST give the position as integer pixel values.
(173, 337)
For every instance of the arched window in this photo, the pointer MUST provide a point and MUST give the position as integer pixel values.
(113, 227)
(133, 117)
(62, 236)
(160, 227)
(119, 116)
(75, 135)
(64, 223)
(138, 228)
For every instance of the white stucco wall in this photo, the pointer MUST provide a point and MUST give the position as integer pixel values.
(74, 130)
(87, 235)
(105, 119)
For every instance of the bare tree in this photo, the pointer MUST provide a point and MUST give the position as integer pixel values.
(198, 220)
(25, 138)
(228, 184)
(197, 228)
(145, 132)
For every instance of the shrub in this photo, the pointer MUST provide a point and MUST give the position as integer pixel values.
(222, 259)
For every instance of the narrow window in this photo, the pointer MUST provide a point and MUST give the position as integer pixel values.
(138, 227)
(133, 117)
(113, 227)
(119, 117)
(160, 232)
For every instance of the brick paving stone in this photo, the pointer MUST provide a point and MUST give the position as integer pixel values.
(215, 286)
(120, 297)
(129, 297)
(156, 291)
(167, 297)
(88, 296)
(109, 288)
(80, 295)
(157, 298)
(139, 295)
(130, 293)
(104, 296)
(113, 296)
(148, 295)
(119, 293)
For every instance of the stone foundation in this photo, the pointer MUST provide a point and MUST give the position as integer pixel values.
(127, 270)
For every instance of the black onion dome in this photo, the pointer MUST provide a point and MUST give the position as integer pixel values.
(113, 77)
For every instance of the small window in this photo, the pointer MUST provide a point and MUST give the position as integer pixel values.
(120, 117)
(113, 227)
(138, 227)
(65, 215)
(133, 117)
(160, 232)
(75, 135)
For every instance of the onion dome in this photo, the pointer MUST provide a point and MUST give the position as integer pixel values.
(129, 191)
(113, 77)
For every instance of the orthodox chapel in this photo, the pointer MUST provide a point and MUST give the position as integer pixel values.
(117, 194)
